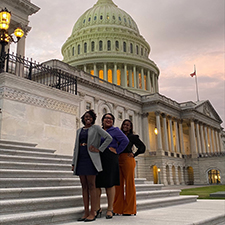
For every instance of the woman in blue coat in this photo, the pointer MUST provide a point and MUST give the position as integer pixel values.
(86, 160)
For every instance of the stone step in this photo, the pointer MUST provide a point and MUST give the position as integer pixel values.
(57, 216)
(25, 148)
(56, 202)
(33, 154)
(34, 166)
(18, 143)
(16, 158)
(37, 182)
(8, 173)
(40, 192)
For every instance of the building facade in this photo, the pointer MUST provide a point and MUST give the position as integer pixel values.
(109, 57)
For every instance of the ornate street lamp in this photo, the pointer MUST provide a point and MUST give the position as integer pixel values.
(5, 17)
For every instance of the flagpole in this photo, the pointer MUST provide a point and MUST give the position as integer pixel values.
(196, 84)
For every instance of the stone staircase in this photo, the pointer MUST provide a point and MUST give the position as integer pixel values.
(37, 187)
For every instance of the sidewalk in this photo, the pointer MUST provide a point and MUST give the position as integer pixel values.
(202, 212)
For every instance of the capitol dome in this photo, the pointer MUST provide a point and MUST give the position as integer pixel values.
(106, 43)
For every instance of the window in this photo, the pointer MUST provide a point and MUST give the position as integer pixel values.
(131, 118)
(119, 18)
(125, 20)
(117, 45)
(95, 18)
(92, 46)
(101, 17)
(108, 45)
(84, 21)
(89, 19)
(107, 17)
(131, 48)
(73, 51)
(124, 46)
(88, 105)
(120, 115)
(113, 17)
(85, 47)
(78, 49)
(100, 45)
(137, 50)
(104, 111)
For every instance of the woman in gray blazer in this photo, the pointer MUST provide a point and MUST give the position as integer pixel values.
(86, 160)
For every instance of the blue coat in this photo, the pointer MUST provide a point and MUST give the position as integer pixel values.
(95, 133)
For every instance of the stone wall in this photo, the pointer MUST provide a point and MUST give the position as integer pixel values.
(37, 113)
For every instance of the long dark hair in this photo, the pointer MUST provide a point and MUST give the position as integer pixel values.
(92, 114)
(131, 126)
(113, 117)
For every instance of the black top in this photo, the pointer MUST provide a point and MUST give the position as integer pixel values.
(134, 140)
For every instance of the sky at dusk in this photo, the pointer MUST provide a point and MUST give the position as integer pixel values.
(181, 34)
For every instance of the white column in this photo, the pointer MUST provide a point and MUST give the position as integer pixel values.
(153, 81)
(170, 175)
(125, 76)
(181, 137)
(85, 68)
(206, 140)
(217, 142)
(182, 175)
(159, 135)
(156, 83)
(105, 72)
(210, 140)
(148, 81)
(20, 52)
(135, 77)
(146, 131)
(198, 139)
(95, 70)
(176, 136)
(193, 140)
(130, 78)
(214, 141)
(221, 143)
(170, 134)
(202, 139)
(115, 74)
(176, 176)
(142, 79)
(165, 131)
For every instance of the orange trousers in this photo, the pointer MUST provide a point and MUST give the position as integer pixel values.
(125, 198)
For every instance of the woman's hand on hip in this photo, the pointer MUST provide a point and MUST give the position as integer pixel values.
(93, 149)
(112, 150)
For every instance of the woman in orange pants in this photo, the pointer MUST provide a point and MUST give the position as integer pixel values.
(125, 202)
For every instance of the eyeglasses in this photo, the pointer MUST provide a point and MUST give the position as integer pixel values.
(108, 118)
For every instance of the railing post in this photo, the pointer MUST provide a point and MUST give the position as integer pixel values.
(30, 71)
(7, 62)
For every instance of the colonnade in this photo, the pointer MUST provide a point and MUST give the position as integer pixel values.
(203, 139)
(125, 75)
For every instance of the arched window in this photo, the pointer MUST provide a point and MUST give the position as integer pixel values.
(101, 17)
(124, 46)
(117, 45)
(137, 50)
(73, 51)
(92, 46)
(78, 49)
(85, 47)
(131, 48)
(104, 111)
(109, 45)
(100, 45)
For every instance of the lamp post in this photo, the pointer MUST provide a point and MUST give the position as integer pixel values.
(159, 180)
(5, 38)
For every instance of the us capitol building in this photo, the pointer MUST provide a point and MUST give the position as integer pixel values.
(106, 52)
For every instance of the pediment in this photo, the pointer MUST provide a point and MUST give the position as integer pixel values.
(205, 107)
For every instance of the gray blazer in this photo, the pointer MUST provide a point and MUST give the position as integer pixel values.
(95, 133)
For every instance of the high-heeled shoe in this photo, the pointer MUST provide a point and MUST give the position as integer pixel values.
(109, 216)
(98, 212)
(81, 219)
(89, 220)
